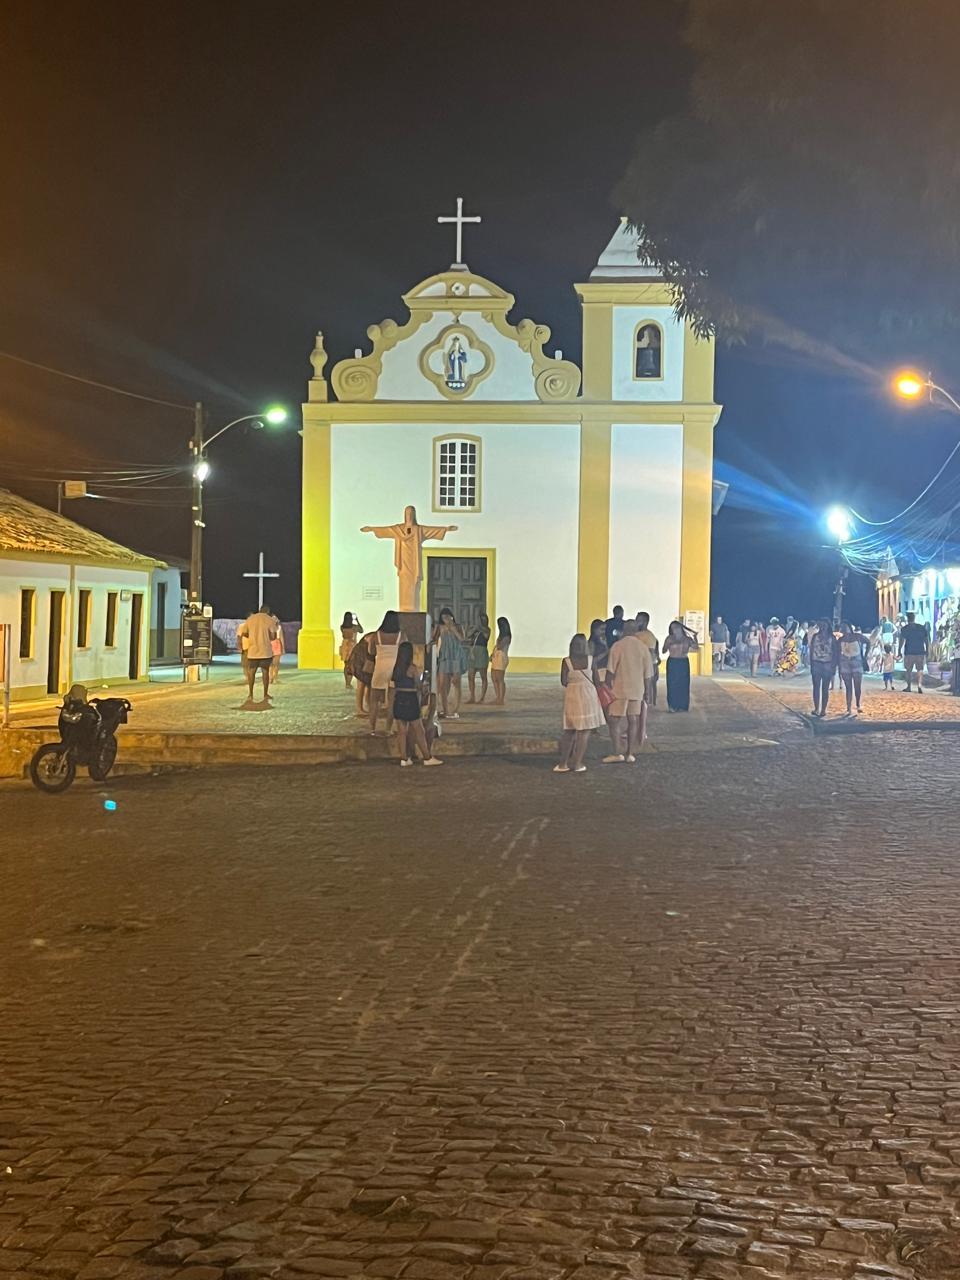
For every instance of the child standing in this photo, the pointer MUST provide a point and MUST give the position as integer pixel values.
(887, 666)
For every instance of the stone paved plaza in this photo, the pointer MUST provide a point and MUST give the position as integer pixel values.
(693, 1018)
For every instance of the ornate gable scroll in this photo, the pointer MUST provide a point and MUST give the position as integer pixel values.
(455, 297)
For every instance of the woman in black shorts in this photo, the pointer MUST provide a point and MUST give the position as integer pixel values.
(406, 708)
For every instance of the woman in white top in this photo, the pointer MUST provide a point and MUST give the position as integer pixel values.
(500, 661)
(582, 712)
(851, 665)
(383, 648)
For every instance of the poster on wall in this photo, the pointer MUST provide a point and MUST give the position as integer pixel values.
(695, 620)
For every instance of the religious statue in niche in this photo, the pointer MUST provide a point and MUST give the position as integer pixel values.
(456, 362)
(408, 539)
(649, 352)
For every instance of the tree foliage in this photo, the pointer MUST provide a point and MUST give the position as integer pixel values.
(811, 191)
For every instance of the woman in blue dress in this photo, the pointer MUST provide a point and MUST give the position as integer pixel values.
(451, 663)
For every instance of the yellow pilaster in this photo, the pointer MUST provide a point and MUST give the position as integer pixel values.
(597, 350)
(696, 521)
(316, 638)
(698, 362)
(593, 561)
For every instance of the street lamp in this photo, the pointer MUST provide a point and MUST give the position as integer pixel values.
(840, 523)
(275, 415)
(910, 385)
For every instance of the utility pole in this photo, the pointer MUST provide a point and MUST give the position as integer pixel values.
(195, 599)
(840, 591)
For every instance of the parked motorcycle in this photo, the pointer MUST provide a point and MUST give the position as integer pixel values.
(88, 736)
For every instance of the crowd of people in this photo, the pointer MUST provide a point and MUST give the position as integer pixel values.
(381, 665)
(829, 651)
(609, 678)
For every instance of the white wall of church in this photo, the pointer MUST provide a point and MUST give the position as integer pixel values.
(646, 493)
(87, 664)
(510, 379)
(625, 386)
(529, 517)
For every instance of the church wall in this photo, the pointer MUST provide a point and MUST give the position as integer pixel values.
(646, 497)
(625, 386)
(529, 517)
(510, 379)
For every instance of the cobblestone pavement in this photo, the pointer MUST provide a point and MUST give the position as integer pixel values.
(694, 1018)
(934, 706)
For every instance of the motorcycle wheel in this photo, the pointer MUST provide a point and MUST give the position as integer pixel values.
(52, 768)
(106, 755)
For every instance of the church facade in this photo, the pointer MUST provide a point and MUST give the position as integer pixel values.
(545, 492)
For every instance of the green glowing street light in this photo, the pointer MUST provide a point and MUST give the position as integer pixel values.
(275, 415)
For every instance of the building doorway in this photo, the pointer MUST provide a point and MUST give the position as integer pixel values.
(161, 619)
(55, 642)
(136, 634)
(458, 583)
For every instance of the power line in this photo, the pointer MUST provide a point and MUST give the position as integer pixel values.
(89, 382)
(879, 524)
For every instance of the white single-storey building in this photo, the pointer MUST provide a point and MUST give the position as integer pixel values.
(78, 605)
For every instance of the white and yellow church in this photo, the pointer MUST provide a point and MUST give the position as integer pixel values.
(571, 489)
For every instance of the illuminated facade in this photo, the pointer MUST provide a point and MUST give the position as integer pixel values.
(573, 487)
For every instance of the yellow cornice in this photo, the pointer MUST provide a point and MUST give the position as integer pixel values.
(630, 292)
(524, 411)
(456, 294)
(357, 380)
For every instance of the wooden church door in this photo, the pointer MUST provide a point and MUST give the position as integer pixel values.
(458, 583)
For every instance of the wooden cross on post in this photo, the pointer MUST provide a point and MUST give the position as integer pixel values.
(260, 575)
(459, 220)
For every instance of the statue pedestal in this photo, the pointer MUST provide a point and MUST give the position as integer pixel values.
(315, 649)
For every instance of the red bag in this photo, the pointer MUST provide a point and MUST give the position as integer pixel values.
(605, 694)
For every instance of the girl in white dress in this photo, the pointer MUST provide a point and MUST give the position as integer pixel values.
(582, 712)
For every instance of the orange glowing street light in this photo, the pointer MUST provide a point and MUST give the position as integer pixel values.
(910, 385)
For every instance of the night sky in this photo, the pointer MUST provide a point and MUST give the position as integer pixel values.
(191, 191)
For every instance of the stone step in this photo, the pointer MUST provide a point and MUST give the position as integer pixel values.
(146, 749)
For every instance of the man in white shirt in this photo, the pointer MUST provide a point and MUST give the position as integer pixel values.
(629, 667)
(775, 638)
(260, 630)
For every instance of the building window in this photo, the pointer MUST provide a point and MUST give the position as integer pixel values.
(457, 474)
(83, 619)
(110, 633)
(648, 350)
(28, 600)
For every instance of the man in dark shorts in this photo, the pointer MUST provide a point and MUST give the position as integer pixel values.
(913, 648)
(260, 629)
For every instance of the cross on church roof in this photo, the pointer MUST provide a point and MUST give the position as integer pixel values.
(458, 264)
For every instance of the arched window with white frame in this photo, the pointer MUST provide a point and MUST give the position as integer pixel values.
(456, 473)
